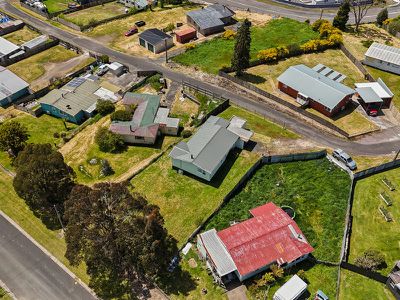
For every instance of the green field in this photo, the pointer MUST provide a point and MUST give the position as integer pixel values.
(94, 14)
(369, 229)
(212, 55)
(316, 189)
(354, 287)
(186, 201)
(56, 5)
(16, 209)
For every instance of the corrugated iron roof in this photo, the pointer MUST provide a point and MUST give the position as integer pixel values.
(10, 83)
(292, 289)
(264, 239)
(314, 85)
(379, 87)
(383, 52)
(154, 36)
(210, 16)
(368, 95)
(6, 47)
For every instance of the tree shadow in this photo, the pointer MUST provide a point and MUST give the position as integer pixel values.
(255, 79)
(350, 108)
(179, 282)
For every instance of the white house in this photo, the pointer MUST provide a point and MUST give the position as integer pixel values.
(383, 57)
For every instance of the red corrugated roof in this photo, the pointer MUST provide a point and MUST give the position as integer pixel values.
(185, 31)
(264, 239)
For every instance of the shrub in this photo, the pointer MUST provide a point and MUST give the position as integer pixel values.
(387, 21)
(367, 43)
(382, 16)
(267, 55)
(56, 135)
(371, 260)
(169, 27)
(108, 141)
(190, 46)
(92, 22)
(154, 82)
(317, 24)
(106, 169)
(186, 133)
(294, 49)
(394, 27)
(63, 134)
(229, 34)
(104, 107)
(302, 274)
(307, 21)
(121, 115)
(132, 10)
(104, 59)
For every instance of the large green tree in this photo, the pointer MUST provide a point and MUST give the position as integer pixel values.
(44, 181)
(119, 236)
(13, 137)
(382, 16)
(241, 55)
(342, 16)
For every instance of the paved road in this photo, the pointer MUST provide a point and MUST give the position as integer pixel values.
(294, 12)
(29, 273)
(383, 143)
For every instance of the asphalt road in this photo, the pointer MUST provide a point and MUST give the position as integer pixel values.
(295, 12)
(378, 144)
(29, 273)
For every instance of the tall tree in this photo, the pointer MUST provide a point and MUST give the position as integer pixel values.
(13, 137)
(44, 181)
(382, 16)
(342, 16)
(359, 9)
(119, 236)
(241, 55)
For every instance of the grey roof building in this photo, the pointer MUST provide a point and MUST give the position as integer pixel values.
(207, 150)
(383, 57)
(155, 40)
(7, 48)
(211, 19)
(36, 42)
(11, 87)
(316, 90)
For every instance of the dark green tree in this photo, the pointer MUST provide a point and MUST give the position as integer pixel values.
(382, 16)
(119, 236)
(44, 181)
(109, 141)
(121, 115)
(241, 55)
(104, 107)
(342, 16)
(13, 137)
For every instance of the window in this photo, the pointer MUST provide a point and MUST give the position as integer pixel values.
(150, 47)
(201, 171)
(142, 43)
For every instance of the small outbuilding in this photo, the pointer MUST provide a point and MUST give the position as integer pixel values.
(291, 290)
(155, 40)
(374, 95)
(11, 87)
(185, 35)
(383, 57)
(117, 68)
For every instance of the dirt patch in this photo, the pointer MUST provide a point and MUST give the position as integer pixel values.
(255, 18)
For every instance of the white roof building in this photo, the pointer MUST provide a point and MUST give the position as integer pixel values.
(383, 57)
(291, 290)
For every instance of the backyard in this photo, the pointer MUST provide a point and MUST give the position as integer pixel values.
(214, 54)
(354, 287)
(55, 62)
(56, 5)
(350, 120)
(21, 36)
(369, 228)
(83, 155)
(95, 13)
(185, 201)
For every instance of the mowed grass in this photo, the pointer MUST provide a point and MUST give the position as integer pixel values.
(185, 201)
(95, 13)
(16, 209)
(369, 229)
(33, 67)
(212, 55)
(56, 5)
(316, 189)
(355, 287)
(391, 80)
(21, 36)
(265, 78)
(263, 129)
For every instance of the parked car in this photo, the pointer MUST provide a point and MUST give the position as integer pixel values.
(373, 112)
(103, 69)
(342, 156)
(132, 31)
(140, 23)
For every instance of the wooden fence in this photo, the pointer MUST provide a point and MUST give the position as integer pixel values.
(357, 63)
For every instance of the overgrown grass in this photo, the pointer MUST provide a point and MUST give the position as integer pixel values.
(56, 5)
(212, 55)
(261, 126)
(369, 228)
(316, 189)
(354, 287)
(21, 36)
(186, 201)
(33, 67)
(16, 209)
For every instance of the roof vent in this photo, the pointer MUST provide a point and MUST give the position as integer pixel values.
(68, 106)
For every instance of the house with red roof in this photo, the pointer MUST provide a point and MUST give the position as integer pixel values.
(148, 121)
(252, 246)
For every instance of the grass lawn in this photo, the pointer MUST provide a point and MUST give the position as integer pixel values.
(184, 109)
(33, 67)
(56, 5)
(354, 287)
(4, 295)
(212, 55)
(370, 230)
(391, 80)
(21, 36)
(95, 13)
(265, 77)
(316, 189)
(318, 277)
(16, 209)
(263, 129)
(186, 201)
(365, 162)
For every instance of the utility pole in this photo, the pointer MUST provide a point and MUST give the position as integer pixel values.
(322, 11)
(59, 218)
(166, 50)
(397, 155)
